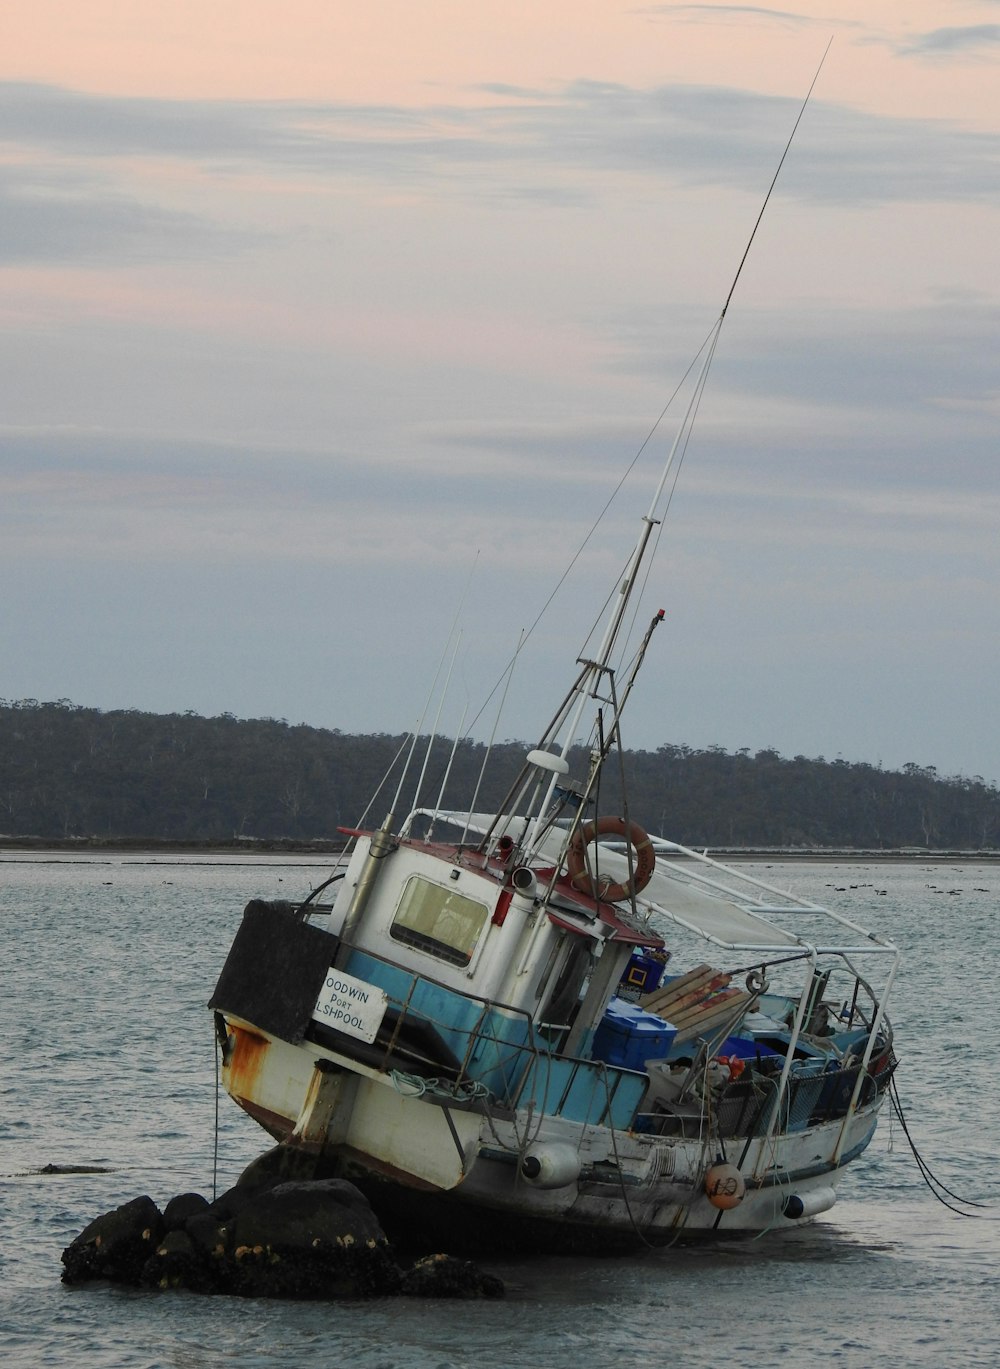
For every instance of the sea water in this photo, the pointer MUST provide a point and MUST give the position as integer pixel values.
(108, 1069)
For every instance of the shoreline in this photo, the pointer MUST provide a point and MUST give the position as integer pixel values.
(320, 847)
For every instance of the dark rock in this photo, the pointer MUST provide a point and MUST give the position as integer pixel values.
(226, 1206)
(280, 1165)
(266, 1239)
(209, 1235)
(72, 1169)
(342, 1272)
(181, 1209)
(442, 1276)
(295, 1216)
(116, 1245)
(308, 1240)
(178, 1263)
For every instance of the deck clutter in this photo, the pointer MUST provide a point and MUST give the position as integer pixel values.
(697, 1002)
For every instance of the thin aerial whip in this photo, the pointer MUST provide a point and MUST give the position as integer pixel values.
(568, 718)
(776, 175)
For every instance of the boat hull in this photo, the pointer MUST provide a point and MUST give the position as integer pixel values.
(444, 1171)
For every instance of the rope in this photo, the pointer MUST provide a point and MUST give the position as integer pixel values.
(215, 1143)
(781, 163)
(935, 1185)
(416, 1085)
(603, 1070)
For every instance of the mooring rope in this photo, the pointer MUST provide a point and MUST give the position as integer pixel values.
(215, 1143)
(935, 1185)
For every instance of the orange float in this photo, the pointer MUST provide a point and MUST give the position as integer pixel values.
(606, 890)
(724, 1186)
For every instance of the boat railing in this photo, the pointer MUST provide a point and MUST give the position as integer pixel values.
(472, 1045)
(479, 1047)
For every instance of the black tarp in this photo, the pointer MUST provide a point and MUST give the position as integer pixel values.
(274, 971)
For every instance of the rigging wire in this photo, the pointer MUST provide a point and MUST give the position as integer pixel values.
(383, 781)
(713, 339)
(529, 631)
(437, 719)
(489, 748)
(439, 803)
(690, 421)
(618, 1162)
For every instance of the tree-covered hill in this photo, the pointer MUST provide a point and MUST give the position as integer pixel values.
(67, 771)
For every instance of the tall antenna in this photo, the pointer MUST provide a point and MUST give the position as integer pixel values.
(567, 720)
(777, 173)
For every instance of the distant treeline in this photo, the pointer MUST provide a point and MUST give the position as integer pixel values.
(67, 771)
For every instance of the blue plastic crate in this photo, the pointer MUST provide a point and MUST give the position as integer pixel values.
(642, 974)
(628, 1037)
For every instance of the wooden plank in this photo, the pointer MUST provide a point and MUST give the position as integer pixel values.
(703, 1006)
(728, 1012)
(688, 987)
(700, 994)
(681, 983)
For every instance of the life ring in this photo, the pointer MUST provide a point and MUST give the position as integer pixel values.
(607, 892)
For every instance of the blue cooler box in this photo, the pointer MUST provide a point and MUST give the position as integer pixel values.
(628, 1037)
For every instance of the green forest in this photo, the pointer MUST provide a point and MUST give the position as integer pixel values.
(68, 772)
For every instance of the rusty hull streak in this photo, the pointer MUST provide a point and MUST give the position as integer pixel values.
(243, 1073)
(246, 1059)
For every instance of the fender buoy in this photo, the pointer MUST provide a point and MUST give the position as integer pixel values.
(725, 1187)
(642, 869)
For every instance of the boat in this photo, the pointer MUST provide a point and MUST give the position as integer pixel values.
(541, 1028)
(484, 1034)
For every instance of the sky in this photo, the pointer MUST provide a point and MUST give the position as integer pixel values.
(329, 329)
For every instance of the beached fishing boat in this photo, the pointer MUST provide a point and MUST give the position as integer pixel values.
(500, 1029)
(484, 1033)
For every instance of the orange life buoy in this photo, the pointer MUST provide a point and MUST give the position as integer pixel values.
(576, 861)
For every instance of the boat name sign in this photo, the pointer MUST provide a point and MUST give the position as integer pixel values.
(351, 1005)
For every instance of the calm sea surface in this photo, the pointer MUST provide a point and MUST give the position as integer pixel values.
(108, 1060)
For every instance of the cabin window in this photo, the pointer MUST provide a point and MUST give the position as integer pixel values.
(440, 921)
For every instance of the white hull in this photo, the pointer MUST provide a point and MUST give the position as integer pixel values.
(431, 1164)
